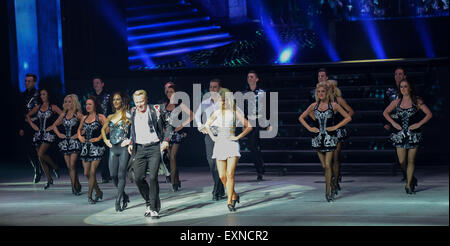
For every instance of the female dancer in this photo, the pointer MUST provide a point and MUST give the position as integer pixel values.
(69, 145)
(177, 135)
(43, 137)
(118, 125)
(92, 147)
(325, 141)
(226, 147)
(341, 132)
(409, 136)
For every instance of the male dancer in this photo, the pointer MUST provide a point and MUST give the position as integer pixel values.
(147, 142)
(253, 113)
(209, 106)
(28, 100)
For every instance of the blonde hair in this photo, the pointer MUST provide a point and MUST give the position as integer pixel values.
(140, 93)
(227, 97)
(336, 92)
(75, 103)
(327, 88)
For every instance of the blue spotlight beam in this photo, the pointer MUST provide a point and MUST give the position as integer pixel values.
(180, 51)
(372, 32)
(181, 41)
(169, 23)
(424, 37)
(174, 33)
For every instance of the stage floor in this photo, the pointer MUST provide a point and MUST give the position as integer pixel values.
(296, 199)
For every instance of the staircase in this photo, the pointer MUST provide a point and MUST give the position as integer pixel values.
(162, 32)
(366, 148)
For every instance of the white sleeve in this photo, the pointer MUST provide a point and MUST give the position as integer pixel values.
(198, 117)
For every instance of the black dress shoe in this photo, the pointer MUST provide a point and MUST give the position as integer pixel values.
(48, 184)
(168, 179)
(98, 196)
(175, 187)
(259, 178)
(231, 208)
(105, 180)
(126, 200)
(215, 198)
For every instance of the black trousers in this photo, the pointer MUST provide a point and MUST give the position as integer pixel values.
(218, 186)
(148, 158)
(255, 150)
(118, 160)
(30, 150)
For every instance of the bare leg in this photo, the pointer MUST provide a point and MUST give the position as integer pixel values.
(222, 170)
(411, 166)
(231, 167)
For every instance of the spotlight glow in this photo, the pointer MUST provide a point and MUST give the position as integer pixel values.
(286, 55)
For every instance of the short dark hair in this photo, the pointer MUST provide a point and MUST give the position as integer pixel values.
(31, 75)
(98, 77)
(322, 70)
(254, 72)
(397, 68)
(216, 80)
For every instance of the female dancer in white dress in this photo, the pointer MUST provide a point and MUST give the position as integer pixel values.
(226, 146)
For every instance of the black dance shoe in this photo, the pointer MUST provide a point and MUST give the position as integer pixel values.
(259, 178)
(231, 208)
(118, 207)
(408, 191)
(215, 198)
(48, 184)
(37, 177)
(125, 201)
(237, 200)
(329, 197)
(413, 184)
(56, 173)
(90, 201)
(175, 187)
(168, 179)
(98, 197)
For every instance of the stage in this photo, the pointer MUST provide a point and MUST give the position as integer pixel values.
(296, 199)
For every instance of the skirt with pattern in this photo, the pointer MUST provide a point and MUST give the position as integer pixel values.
(406, 139)
(69, 146)
(92, 151)
(325, 142)
(43, 137)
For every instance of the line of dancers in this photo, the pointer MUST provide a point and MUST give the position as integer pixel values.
(139, 139)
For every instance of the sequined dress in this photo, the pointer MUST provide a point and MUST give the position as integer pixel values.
(92, 151)
(69, 145)
(324, 141)
(42, 136)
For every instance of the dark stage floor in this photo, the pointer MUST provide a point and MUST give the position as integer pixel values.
(296, 199)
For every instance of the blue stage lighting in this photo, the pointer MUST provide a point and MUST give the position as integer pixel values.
(169, 23)
(181, 41)
(372, 32)
(174, 33)
(286, 55)
(425, 37)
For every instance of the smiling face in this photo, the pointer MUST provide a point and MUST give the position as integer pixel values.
(140, 102)
(117, 102)
(405, 88)
(97, 84)
(252, 79)
(90, 106)
(399, 76)
(321, 93)
(44, 96)
(322, 77)
(68, 103)
(169, 93)
(30, 83)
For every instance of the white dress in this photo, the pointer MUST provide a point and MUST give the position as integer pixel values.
(224, 147)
